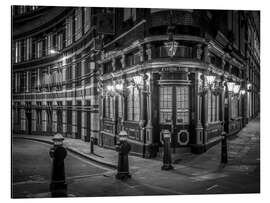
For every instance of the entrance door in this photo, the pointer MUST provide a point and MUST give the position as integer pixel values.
(29, 122)
(174, 111)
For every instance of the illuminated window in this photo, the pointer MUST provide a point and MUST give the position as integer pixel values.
(69, 27)
(120, 107)
(78, 23)
(165, 103)
(213, 107)
(182, 105)
(87, 19)
(109, 108)
(133, 105)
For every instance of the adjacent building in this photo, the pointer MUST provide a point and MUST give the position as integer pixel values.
(92, 72)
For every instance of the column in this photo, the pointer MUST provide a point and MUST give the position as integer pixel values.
(84, 114)
(74, 111)
(95, 116)
(34, 117)
(142, 109)
(198, 109)
(149, 126)
(54, 116)
(205, 113)
(44, 117)
(64, 118)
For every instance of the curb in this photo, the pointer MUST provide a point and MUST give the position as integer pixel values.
(75, 151)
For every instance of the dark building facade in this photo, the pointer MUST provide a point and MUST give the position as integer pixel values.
(92, 72)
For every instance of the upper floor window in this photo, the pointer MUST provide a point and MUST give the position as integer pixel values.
(132, 58)
(17, 52)
(78, 23)
(69, 31)
(87, 19)
(130, 13)
(155, 10)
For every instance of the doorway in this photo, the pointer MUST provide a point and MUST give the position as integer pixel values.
(174, 112)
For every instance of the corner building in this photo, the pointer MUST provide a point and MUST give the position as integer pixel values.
(139, 70)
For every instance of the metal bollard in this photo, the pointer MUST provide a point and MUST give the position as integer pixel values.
(123, 149)
(167, 159)
(58, 185)
(224, 150)
(92, 145)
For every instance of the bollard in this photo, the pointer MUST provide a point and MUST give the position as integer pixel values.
(58, 153)
(92, 145)
(167, 159)
(224, 150)
(123, 149)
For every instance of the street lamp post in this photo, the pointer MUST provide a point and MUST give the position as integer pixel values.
(230, 86)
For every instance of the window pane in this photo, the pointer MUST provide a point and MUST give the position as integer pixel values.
(165, 104)
(136, 105)
(182, 104)
(130, 105)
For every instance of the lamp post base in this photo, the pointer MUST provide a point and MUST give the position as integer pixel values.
(58, 189)
(122, 175)
(167, 167)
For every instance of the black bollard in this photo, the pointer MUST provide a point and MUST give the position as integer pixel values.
(92, 145)
(224, 150)
(123, 149)
(58, 153)
(167, 159)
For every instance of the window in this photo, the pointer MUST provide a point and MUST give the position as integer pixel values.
(184, 52)
(59, 41)
(234, 107)
(22, 81)
(69, 33)
(109, 108)
(39, 49)
(87, 70)
(78, 74)
(213, 107)
(133, 105)
(17, 52)
(132, 59)
(39, 116)
(182, 105)
(120, 106)
(50, 42)
(34, 49)
(87, 19)
(45, 46)
(155, 10)
(17, 111)
(130, 13)
(69, 73)
(23, 50)
(33, 80)
(69, 116)
(78, 23)
(28, 48)
(165, 104)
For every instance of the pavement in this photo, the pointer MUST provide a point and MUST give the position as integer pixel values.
(240, 175)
